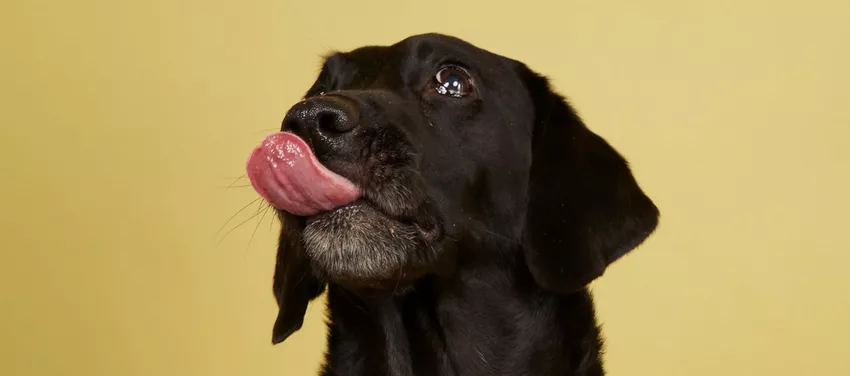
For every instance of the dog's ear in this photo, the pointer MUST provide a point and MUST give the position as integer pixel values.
(585, 209)
(295, 284)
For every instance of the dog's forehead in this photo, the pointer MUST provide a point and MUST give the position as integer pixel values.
(427, 45)
(425, 50)
(409, 61)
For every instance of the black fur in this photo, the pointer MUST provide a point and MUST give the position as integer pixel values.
(483, 218)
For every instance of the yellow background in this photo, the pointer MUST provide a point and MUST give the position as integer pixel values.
(123, 121)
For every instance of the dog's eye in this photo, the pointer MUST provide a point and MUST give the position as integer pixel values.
(453, 81)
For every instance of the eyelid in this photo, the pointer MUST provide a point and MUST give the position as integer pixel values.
(452, 64)
(459, 67)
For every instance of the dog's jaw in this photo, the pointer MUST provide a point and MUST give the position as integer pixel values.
(357, 246)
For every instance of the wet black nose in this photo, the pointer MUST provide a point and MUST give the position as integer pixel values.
(322, 121)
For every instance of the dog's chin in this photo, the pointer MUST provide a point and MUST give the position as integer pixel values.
(358, 246)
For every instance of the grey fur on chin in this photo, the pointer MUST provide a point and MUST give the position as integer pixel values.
(357, 243)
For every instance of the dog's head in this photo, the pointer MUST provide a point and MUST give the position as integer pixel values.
(398, 153)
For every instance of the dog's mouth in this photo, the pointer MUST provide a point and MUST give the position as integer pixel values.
(286, 173)
(360, 237)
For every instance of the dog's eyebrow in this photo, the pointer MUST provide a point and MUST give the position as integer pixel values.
(333, 60)
(330, 62)
(320, 84)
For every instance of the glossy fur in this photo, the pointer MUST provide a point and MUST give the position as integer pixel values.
(483, 218)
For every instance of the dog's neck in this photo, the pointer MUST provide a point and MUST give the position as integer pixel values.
(492, 317)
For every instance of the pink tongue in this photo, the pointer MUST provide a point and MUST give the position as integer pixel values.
(286, 173)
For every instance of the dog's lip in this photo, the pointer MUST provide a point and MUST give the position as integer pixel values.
(426, 225)
(428, 232)
(431, 235)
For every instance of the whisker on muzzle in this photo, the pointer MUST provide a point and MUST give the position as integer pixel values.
(256, 213)
(231, 185)
(265, 211)
(234, 216)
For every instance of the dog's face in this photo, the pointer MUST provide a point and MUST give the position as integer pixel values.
(440, 144)
(430, 143)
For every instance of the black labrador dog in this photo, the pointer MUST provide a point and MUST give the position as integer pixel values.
(453, 207)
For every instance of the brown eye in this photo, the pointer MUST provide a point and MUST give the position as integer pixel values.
(453, 81)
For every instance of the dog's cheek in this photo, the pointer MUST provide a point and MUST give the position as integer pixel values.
(400, 192)
(394, 183)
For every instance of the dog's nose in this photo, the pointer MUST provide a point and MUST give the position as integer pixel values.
(322, 121)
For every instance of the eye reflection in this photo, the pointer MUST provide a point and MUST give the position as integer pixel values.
(453, 81)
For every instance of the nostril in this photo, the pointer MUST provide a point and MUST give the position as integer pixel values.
(321, 117)
(329, 122)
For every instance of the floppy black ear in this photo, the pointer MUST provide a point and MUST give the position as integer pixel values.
(294, 285)
(585, 209)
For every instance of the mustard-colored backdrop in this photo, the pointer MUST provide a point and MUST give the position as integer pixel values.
(122, 123)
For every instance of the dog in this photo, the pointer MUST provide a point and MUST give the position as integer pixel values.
(453, 207)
